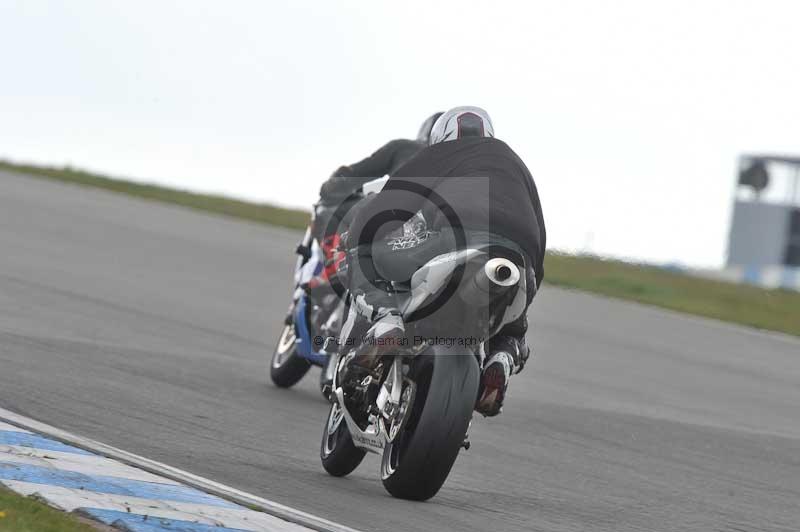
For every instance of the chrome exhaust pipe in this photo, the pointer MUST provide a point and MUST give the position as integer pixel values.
(502, 272)
(497, 274)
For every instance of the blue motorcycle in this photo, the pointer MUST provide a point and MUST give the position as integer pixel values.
(315, 317)
(313, 320)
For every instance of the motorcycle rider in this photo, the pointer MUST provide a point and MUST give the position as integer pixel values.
(391, 156)
(463, 156)
(338, 189)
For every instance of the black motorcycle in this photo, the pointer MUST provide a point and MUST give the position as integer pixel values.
(414, 407)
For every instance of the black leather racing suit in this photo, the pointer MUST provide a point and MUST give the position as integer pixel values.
(482, 183)
(346, 179)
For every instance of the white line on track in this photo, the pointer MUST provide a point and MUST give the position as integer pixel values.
(76, 463)
(70, 499)
(16, 421)
(12, 428)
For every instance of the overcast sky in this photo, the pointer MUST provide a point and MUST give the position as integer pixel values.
(630, 115)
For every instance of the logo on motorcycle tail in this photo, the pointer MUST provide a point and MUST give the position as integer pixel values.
(370, 442)
(375, 442)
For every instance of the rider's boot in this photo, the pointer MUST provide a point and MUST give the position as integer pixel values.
(506, 355)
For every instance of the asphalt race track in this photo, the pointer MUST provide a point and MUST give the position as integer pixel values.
(148, 327)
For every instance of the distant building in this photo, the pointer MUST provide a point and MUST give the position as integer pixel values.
(764, 242)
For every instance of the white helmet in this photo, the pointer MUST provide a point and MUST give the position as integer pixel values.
(424, 135)
(461, 122)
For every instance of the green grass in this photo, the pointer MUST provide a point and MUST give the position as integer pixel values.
(257, 212)
(777, 310)
(24, 514)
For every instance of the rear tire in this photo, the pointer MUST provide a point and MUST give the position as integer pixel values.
(339, 455)
(416, 464)
(286, 366)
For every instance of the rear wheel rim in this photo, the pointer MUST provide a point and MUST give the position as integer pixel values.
(396, 433)
(332, 429)
(395, 449)
(399, 419)
(283, 351)
(389, 461)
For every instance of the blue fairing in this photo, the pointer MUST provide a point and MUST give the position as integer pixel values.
(305, 344)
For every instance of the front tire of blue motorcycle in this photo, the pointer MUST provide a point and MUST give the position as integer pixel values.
(339, 455)
(287, 367)
(417, 462)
